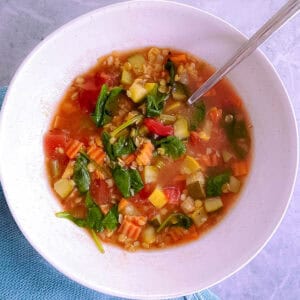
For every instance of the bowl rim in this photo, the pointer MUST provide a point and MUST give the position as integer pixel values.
(293, 126)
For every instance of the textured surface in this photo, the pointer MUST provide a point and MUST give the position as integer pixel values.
(275, 272)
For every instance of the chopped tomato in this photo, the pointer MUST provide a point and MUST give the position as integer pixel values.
(100, 192)
(52, 141)
(158, 128)
(172, 193)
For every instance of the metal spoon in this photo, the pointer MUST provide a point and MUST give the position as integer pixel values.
(286, 12)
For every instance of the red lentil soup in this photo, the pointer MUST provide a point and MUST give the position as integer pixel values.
(130, 161)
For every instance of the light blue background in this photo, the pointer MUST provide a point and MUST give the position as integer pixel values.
(275, 272)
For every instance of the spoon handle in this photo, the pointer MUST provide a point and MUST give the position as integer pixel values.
(286, 12)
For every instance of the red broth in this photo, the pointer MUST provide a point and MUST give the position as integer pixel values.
(130, 161)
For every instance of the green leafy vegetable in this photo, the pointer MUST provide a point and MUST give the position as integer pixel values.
(81, 174)
(172, 145)
(155, 102)
(98, 115)
(170, 67)
(214, 184)
(198, 115)
(136, 182)
(128, 181)
(97, 241)
(237, 133)
(94, 219)
(129, 122)
(124, 145)
(106, 103)
(176, 219)
(111, 219)
(122, 179)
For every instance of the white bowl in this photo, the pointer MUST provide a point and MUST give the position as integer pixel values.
(31, 101)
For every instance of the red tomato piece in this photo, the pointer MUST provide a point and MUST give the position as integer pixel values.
(158, 128)
(146, 191)
(53, 140)
(100, 192)
(172, 193)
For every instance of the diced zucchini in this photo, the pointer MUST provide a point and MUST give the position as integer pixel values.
(63, 187)
(234, 184)
(178, 92)
(158, 198)
(167, 119)
(174, 106)
(156, 221)
(213, 204)
(137, 61)
(196, 190)
(149, 86)
(199, 216)
(226, 155)
(150, 174)
(137, 91)
(149, 235)
(126, 77)
(181, 128)
(189, 165)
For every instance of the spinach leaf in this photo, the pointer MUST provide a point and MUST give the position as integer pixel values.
(136, 182)
(124, 145)
(170, 67)
(176, 219)
(122, 179)
(172, 145)
(107, 145)
(111, 219)
(214, 184)
(81, 174)
(237, 134)
(94, 219)
(98, 114)
(155, 102)
(198, 115)
(111, 104)
(128, 181)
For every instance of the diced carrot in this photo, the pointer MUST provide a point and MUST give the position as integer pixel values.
(73, 147)
(122, 204)
(145, 154)
(96, 154)
(129, 159)
(239, 168)
(131, 226)
(178, 58)
(215, 114)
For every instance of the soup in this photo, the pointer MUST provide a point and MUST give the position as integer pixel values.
(133, 163)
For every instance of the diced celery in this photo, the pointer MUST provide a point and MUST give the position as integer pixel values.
(181, 128)
(126, 77)
(54, 168)
(213, 204)
(167, 119)
(63, 187)
(234, 184)
(158, 198)
(196, 190)
(137, 91)
(199, 216)
(137, 61)
(150, 174)
(189, 165)
(149, 235)
(174, 106)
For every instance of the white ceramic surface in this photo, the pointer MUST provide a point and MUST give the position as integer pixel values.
(31, 100)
